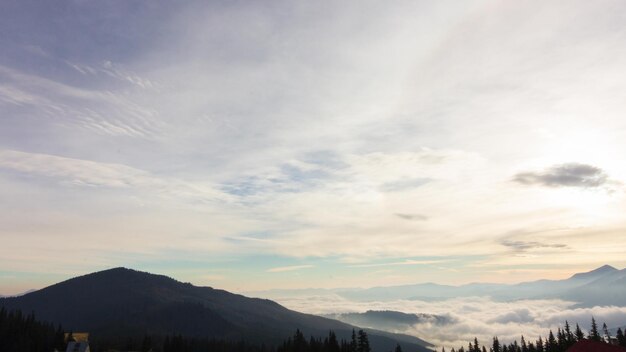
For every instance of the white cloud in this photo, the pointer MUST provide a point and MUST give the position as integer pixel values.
(472, 317)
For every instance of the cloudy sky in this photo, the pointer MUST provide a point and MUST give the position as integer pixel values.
(250, 145)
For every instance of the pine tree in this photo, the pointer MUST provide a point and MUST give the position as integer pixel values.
(593, 334)
(551, 345)
(495, 347)
(607, 335)
(579, 334)
(332, 344)
(540, 347)
(299, 342)
(364, 344)
(476, 346)
(621, 339)
(523, 344)
(353, 343)
(560, 340)
(399, 348)
(569, 337)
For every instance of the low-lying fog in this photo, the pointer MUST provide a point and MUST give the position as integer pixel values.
(468, 317)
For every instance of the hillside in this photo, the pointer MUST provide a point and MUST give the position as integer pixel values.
(123, 301)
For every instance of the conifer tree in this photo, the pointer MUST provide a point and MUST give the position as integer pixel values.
(607, 335)
(579, 334)
(560, 340)
(540, 347)
(621, 339)
(594, 335)
(495, 347)
(363, 344)
(353, 343)
(399, 348)
(332, 344)
(551, 345)
(299, 342)
(523, 344)
(569, 337)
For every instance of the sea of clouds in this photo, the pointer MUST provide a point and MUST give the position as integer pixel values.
(469, 317)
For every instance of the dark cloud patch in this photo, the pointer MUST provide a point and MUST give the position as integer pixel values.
(412, 217)
(523, 246)
(565, 175)
(405, 184)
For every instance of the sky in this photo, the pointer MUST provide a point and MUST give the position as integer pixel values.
(256, 145)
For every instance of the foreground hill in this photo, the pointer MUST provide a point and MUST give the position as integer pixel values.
(122, 302)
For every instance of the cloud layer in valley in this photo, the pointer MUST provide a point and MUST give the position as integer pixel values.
(466, 318)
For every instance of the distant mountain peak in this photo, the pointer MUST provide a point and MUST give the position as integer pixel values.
(603, 270)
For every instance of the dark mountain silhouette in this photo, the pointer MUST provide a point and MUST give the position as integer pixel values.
(122, 302)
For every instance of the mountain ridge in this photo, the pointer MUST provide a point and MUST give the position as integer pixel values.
(601, 286)
(126, 301)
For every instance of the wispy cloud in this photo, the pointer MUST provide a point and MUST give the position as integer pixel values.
(289, 268)
(86, 173)
(522, 246)
(401, 263)
(416, 217)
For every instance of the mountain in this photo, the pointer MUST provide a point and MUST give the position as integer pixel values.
(603, 286)
(594, 274)
(122, 302)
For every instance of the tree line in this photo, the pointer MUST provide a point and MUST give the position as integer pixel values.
(564, 339)
(23, 333)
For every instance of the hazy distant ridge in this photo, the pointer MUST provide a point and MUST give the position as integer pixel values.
(603, 286)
